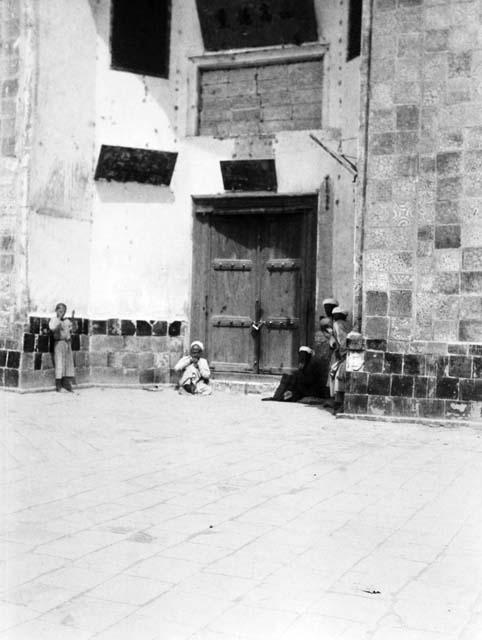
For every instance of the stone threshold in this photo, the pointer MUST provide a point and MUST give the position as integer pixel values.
(429, 422)
(229, 385)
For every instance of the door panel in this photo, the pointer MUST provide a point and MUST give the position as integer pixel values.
(254, 267)
(233, 273)
(281, 291)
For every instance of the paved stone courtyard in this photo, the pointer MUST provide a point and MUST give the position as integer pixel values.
(136, 515)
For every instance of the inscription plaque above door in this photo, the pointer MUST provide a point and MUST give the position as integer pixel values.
(249, 175)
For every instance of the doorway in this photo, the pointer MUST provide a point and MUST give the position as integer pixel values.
(254, 280)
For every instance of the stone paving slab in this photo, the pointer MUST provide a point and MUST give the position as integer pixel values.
(154, 516)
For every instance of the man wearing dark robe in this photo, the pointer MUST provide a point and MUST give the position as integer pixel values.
(306, 381)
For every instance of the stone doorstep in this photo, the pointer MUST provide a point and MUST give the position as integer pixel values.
(229, 386)
(429, 422)
(246, 387)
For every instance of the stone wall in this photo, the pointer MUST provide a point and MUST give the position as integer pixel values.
(422, 255)
(9, 86)
(113, 352)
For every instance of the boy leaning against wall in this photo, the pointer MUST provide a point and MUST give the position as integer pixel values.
(61, 328)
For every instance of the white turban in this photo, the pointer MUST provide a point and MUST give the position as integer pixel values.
(197, 343)
(307, 350)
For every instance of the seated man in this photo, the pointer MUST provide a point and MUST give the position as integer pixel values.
(194, 371)
(306, 381)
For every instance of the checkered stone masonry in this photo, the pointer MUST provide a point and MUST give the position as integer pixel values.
(422, 255)
(445, 384)
(114, 351)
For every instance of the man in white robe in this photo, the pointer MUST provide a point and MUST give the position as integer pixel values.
(194, 371)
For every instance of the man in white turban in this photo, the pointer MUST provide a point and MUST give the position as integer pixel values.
(194, 371)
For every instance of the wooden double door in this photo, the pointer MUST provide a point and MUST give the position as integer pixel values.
(253, 284)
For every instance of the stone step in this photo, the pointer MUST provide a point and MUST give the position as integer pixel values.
(246, 383)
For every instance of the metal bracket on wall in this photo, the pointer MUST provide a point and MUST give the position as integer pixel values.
(339, 157)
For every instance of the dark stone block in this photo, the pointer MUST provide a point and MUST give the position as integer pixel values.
(447, 388)
(379, 384)
(13, 359)
(7, 243)
(37, 362)
(460, 366)
(402, 386)
(376, 303)
(175, 329)
(393, 362)
(128, 328)
(475, 349)
(413, 364)
(379, 406)
(356, 404)
(76, 325)
(374, 361)
(470, 330)
(146, 376)
(447, 236)
(43, 344)
(477, 367)
(34, 324)
(471, 282)
(114, 327)
(11, 377)
(376, 327)
(376, 345)
(3, 357)
(143, 328)
(75, 342)
(28, 342)
(405, 407)
(408, 117)
(44, 326)
(425, 234)
(449, 163)
(400, 303)
(430, 408)
(420, 387)
(358, 382)
(99, 327)
(471, 390)
(461, 349)
(159, 328)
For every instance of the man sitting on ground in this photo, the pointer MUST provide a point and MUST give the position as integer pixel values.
(195, 372)
(307, 381)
